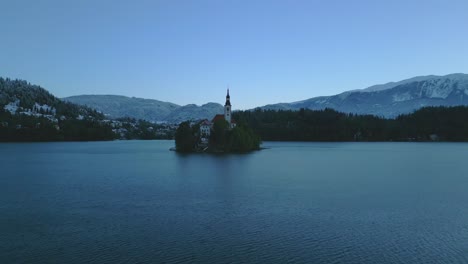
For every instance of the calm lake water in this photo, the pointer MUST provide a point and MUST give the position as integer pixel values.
(138, 202)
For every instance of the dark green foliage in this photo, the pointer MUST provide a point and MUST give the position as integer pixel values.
(223, 139)
(448, 124)
(29, 94)
(239, 139)
(30, 128)
(26, 128)
(242, 139)
(185, 138)
(218, 137)
(85, 130)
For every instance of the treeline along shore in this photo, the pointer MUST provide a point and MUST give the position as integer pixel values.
(30, 113)
(426, 124)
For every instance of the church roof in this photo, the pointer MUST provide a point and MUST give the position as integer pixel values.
(217, 117)
(221, 117)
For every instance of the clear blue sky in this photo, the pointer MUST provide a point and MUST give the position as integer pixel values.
(266, 51)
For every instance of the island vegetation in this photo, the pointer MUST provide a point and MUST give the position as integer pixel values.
(222, 139)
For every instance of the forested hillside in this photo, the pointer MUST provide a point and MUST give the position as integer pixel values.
(30, 113)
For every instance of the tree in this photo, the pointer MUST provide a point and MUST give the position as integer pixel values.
(184, 138)
(220, 127)
(242, 139)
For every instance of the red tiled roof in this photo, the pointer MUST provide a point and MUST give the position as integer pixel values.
(221, 117)
(217, 117)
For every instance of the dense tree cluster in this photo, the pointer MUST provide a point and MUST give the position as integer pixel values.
(10, 90)
(186, 137)
(430, 123)
(239, 139)
(20, 127)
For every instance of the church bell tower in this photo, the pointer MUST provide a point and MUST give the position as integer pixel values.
(227, 108)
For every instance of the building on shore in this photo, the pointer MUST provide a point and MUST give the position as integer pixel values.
(206, 126)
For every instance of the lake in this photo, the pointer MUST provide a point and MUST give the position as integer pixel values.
(138, 202)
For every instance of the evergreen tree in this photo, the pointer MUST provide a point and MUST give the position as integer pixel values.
(184, 138)
(218, 137)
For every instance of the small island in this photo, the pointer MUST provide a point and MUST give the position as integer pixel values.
(220, 135)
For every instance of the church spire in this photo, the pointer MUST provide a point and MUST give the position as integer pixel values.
(228, 98)
(227, 108)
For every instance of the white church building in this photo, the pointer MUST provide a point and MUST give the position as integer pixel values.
(206, 126)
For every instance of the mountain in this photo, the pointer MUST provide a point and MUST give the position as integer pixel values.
(391, 99)
(148, 109)
(191, 111)
(121, 106)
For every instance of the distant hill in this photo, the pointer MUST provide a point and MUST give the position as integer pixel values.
(391, 99)
(191, 111)
(121, 106)
(116, 106)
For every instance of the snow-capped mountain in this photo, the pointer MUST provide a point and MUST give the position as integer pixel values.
(116, 106)
(392, 99)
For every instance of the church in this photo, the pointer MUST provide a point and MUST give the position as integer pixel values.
(206, 126)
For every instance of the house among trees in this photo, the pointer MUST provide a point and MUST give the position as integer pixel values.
(206, 126)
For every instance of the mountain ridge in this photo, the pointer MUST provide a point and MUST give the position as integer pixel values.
(391, 99)
(117, 106)
(387, 100)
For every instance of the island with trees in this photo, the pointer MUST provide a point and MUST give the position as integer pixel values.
(220, 135)
(241, 138)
